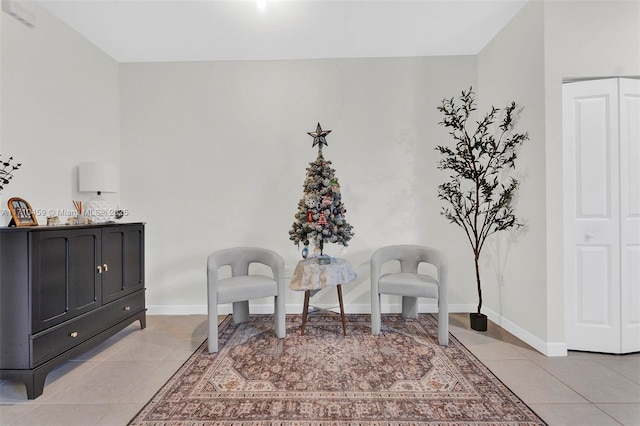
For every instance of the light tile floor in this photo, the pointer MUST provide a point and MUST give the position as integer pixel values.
(111, 383)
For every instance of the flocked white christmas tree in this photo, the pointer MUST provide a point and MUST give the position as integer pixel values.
(320, 217)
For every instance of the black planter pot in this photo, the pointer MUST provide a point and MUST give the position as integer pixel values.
(478, 321)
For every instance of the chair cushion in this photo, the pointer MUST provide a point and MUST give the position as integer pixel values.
(245, 287)
(407, 284)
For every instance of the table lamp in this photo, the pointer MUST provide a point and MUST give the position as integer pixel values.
(98, 178)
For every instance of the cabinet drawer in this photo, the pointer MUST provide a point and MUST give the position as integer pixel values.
(116, 311)
(59, 339)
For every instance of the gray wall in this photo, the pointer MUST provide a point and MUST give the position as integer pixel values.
(60, 106)
(511, 68)
(214, 154)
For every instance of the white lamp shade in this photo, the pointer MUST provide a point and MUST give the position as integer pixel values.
(98, 177)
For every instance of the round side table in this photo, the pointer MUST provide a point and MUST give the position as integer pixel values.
(310, 276)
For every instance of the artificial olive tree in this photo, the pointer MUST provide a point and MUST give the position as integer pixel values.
(480, 191)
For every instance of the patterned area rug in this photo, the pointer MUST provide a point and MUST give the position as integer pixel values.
(401, 377)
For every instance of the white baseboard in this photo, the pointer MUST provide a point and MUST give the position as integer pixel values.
(178, 309)
(547, 348)
(255, 309)
(352, 308)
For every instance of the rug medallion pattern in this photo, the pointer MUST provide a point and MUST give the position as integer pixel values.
(401, 377)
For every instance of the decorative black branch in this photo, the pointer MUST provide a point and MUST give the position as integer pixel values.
(6, 171)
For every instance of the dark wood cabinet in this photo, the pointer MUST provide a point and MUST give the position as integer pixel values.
(62, 291)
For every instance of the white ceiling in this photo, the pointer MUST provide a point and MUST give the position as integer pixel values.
(203, 30)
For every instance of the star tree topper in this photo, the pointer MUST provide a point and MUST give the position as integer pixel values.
(319, 137)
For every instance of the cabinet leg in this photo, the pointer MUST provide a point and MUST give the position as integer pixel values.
(33, 380)
(35, 384)
(143, 321)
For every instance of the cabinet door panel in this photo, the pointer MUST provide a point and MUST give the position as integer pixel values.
(112, 251)
(82, 270)
(53, 294)
(122, 250)
(65, 277)
(133, 269)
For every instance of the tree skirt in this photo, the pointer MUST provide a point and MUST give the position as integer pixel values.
(401, 377)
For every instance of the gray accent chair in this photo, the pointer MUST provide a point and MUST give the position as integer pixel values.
(241, 287)
(409, 284)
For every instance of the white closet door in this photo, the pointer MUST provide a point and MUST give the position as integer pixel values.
(630, 213)
(592, 216)
(602, 215)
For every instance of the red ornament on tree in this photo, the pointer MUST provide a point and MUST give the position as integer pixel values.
(322, 220)
(309, 216)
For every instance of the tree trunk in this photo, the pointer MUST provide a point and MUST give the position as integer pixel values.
(476, 259)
